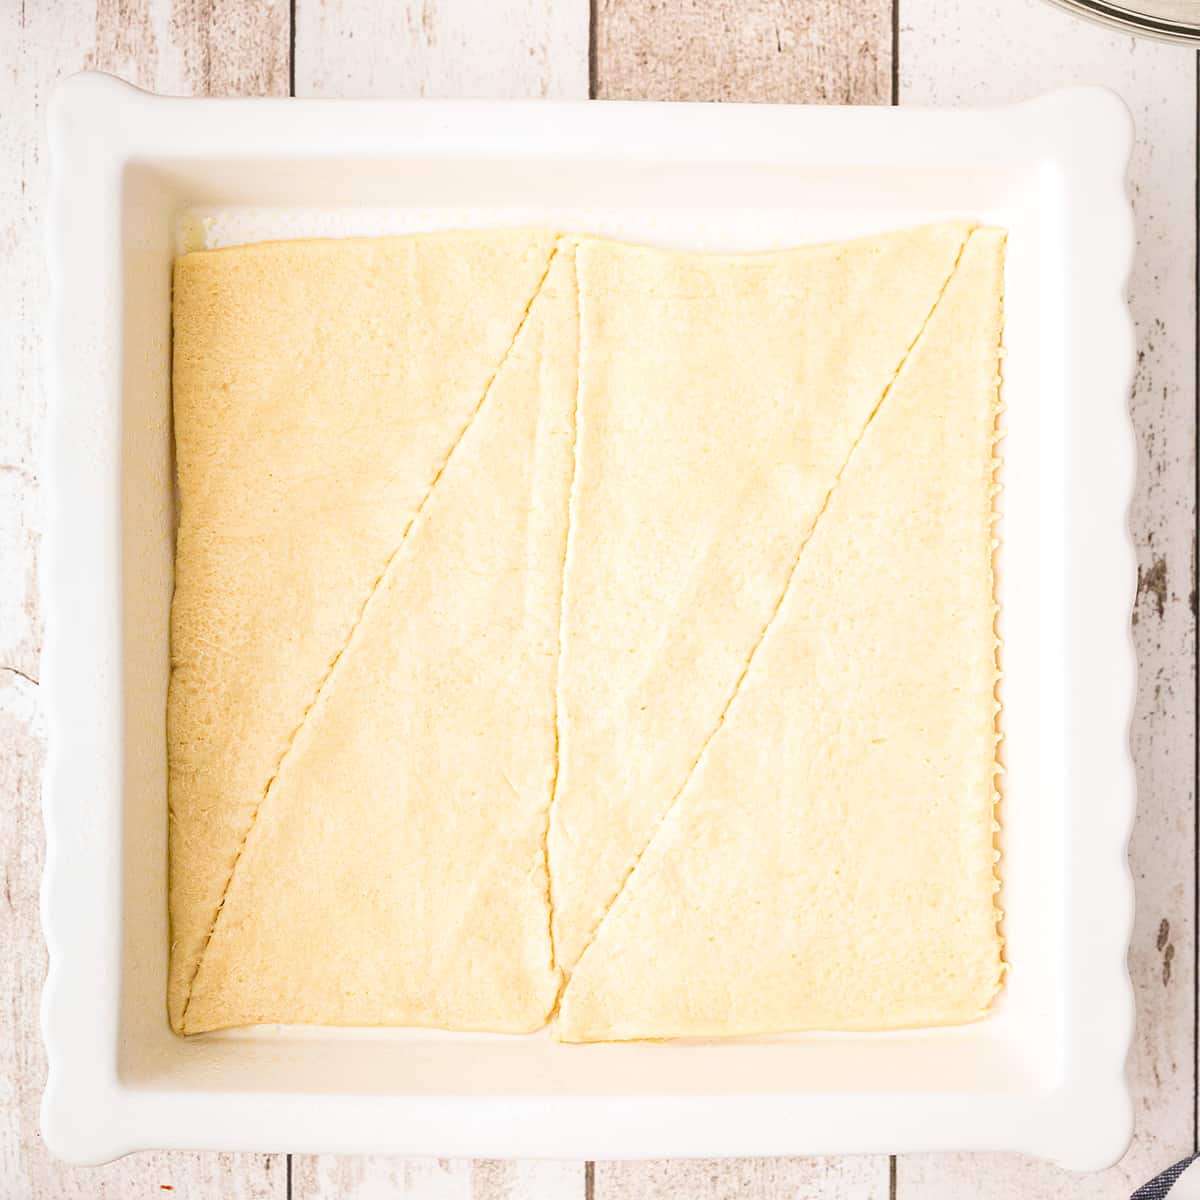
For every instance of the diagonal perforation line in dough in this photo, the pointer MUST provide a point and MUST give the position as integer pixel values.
(392, 559)
(734, 692)
(562, 610)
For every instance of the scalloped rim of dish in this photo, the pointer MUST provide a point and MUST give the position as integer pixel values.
(90, 1111)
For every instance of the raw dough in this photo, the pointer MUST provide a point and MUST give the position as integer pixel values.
(562, 621)
(720, 396)
(829, 864)
(318, 388)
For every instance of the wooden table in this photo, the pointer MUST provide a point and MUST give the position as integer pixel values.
(847, 52)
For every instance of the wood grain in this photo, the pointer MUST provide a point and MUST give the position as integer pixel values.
(817, 52)
(183, 47)
(949, 55)
(745, 1178)
(372, 1177)
(505, 49)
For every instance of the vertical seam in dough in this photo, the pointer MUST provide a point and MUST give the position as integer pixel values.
(362, 612)
(562, 613)
(758, 641)
(998, 435)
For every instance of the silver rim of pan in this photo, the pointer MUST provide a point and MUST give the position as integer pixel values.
(1171, 20)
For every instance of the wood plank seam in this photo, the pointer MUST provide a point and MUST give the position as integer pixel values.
(1196, 657)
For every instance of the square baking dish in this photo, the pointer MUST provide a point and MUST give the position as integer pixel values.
(136, 177)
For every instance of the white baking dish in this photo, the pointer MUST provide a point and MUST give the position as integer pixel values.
(1044, 1073)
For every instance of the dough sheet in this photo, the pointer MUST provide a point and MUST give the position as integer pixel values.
(583, 633)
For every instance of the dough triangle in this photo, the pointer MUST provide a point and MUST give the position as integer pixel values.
(830, 862)
(318, 388)
(719, 398)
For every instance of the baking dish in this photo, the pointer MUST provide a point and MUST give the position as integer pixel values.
(136, 175)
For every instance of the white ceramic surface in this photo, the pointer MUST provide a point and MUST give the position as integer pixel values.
(135, 174)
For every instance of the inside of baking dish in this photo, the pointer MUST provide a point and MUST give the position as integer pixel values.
(173, 205)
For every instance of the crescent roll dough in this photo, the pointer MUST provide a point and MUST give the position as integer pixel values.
(578, 632)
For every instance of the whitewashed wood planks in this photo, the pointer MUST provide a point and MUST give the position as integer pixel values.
(504, 49)
(378, 1177)
(995, 51)
(745, 1178)
(817, 52)
(184, 47)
